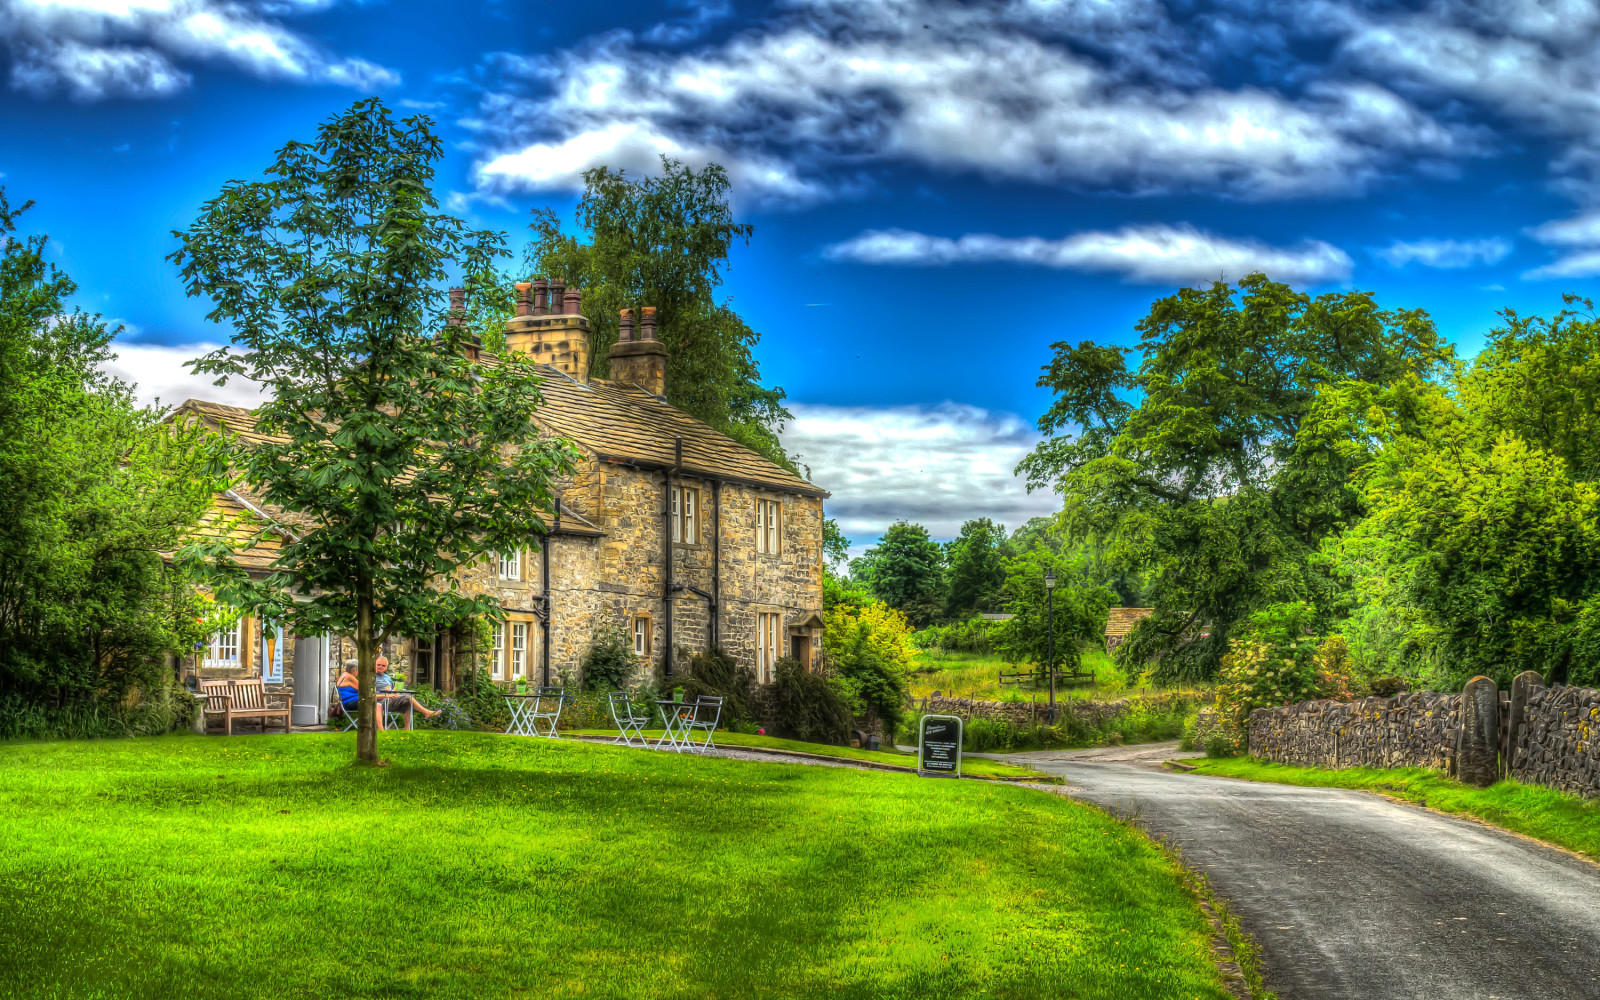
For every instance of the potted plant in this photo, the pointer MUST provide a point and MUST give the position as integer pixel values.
(522, 685)
(677, 694)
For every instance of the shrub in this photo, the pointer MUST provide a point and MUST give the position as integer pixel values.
(803, 705)
(609, 664)
(970, 636)
(1223, 743)
(868, 648)
(718, 674)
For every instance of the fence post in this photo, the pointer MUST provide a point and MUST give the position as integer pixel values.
(1478, 739)
(1522, 686)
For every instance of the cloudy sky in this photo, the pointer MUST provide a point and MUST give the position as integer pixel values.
(939, 190)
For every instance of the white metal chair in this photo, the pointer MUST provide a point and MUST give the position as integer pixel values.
(630, 724)
(543, 713)
(701, 717)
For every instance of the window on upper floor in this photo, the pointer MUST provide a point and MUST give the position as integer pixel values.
(769, 514)
(511, 565)
(686, 514)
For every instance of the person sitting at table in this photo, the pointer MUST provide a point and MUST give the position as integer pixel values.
(349, 688)
(399, 702)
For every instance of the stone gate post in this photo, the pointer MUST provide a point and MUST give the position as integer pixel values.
(1522, 686)
(1478, 740)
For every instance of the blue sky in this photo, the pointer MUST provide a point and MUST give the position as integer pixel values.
(939, 190)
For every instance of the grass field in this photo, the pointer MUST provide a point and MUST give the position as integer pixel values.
(976, 766)
(485, 866)
(1565, 820)
(969, 675)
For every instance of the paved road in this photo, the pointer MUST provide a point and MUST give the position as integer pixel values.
(1351, 895)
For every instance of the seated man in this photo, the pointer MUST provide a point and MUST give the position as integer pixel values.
(401, 701)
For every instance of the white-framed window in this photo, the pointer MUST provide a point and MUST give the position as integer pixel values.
(519, 650)
(225, 647)
(497, 651)
(769, 514)
(511, 565)
(685, 514)
(768, 625)
(641, 636)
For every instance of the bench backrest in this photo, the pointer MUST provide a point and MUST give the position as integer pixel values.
(216, 693)
(249, 694)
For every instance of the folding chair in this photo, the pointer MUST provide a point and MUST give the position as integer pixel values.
(352, 716)
(549, 716)
(628, 722)
(702, 717)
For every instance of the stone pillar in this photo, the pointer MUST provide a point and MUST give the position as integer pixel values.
(1478, 739)
(1522, 686)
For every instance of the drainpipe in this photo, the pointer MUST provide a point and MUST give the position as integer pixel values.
(716, 561)
(544, 552)
(666, 588)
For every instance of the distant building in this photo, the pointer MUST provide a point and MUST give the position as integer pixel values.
(668, 529)
(1120, 621)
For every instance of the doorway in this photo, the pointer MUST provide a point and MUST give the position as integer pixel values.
(311, 681)
(800, 649)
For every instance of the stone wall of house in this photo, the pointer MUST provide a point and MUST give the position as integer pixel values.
(1555, 745)
(1408, 730)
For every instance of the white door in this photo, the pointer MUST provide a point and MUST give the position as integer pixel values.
(311, 681)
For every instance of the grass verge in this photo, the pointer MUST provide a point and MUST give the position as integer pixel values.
(976, 766)
(476, 865)
(1542, 813)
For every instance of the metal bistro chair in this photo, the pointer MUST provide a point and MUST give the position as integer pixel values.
(701, 717)
(630, 724)
(352, 716)
(543, 713)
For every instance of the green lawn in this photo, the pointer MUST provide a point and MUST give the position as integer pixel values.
(1565, 820)
(488, 866)
(976, 766)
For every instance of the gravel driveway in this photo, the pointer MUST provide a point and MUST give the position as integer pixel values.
(1352, 895)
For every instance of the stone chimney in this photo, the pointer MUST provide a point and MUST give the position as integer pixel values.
(549, 326)
(639, 359)
(471, 344)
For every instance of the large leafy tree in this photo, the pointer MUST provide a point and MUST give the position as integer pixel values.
(403, 460)
(664, 241)
(94, 491)
(906, 571)
(977, 567)
(1197, 469)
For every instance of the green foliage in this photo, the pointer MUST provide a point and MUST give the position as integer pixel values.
(977, 570)
(718, 674)
(906, 571)
(1068, 619)
(94, 489)
(867, 647)
(1194, 469)
(664, 242)
(803, 705)
(835, 546)
(1277, 659)
(971, 636)
(400, 459)
(1146, 719)
(609, 664)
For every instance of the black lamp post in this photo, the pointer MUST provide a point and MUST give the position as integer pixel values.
(1050, 632)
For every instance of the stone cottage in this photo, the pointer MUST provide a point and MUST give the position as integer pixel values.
(668, 529)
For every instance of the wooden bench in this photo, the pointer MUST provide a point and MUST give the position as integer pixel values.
(243, 700)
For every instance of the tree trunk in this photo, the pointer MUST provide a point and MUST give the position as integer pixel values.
(366, 679)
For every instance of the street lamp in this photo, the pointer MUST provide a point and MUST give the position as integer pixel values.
(1050, 619)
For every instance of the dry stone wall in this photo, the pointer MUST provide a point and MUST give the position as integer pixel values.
(1555, 744)
(1408, 730)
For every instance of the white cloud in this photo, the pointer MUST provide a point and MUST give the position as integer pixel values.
(1446, 254)
(1580, 230)
(94, 49)
(161, 372)
(1582, 264)
(1154, 254)
(1003, 90)
(937, 466)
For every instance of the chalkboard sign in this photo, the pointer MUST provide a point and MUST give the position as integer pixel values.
(939, 746)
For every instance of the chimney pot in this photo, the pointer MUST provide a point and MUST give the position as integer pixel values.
(574, 302)
(556, 299)
(649, 323)
(524, 298)
(625, 327)
(541, 292)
